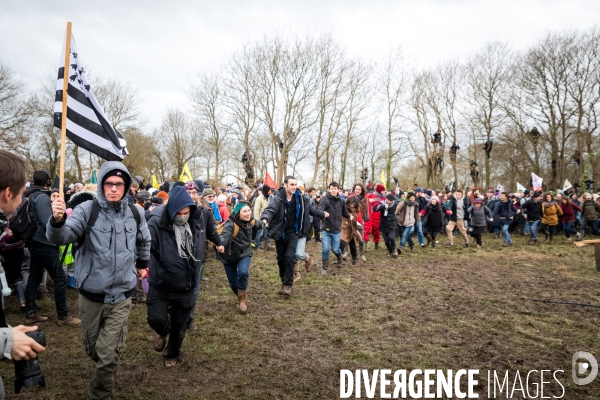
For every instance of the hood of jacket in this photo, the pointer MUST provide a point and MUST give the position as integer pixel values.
(104, 170)
(81, 197)
(178, 199)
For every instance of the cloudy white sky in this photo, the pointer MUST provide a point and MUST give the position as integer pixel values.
(159, 46)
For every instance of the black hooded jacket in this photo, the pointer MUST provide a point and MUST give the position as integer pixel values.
(168, 270)
(336, 207)
(241, 245)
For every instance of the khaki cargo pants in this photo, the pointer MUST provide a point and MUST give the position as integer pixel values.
(460, 224)
(104, 328)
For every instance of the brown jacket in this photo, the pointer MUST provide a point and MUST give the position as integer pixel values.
(550, 214)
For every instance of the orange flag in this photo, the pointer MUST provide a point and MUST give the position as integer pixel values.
(269, 182)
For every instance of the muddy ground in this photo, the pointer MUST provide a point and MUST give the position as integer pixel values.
(436, 308)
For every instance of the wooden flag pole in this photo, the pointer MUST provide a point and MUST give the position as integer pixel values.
(63, 130)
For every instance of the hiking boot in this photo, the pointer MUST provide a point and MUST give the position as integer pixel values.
(578, 236)
(159, 343)
(35, 318)
(69, 320)
(345, 254)
(376, 245)
(325, 266)
(242, 301)
(531, 242)
(339, 261)
(395, 254)
(354, 261)
(433, 242)
(399, 250)
(466, 244)
(428, 241)
(535, 241)
(308, 263)
(297, 275)
(505, 244)
(546, 236)
(287, 290)
(412, 249)
(450, 245)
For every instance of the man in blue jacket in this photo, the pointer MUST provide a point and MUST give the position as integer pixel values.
(176, 253)
(114, 254)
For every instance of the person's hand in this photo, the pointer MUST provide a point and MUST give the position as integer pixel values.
(450, 212)
(491, 219)
(141, 273)
(351, 217)
(58, 209)
(264, 221)
(220, 249)
(326, 214)
(24, 347)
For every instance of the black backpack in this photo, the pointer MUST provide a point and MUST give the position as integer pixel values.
(22, 223)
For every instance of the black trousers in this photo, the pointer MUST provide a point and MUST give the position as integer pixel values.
(315, 229)
(352, 244)
(286, 257)
(178, 304)
(477, 232)
(390, 240)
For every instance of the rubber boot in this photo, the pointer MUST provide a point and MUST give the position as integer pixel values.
(325, 266)
(308, 263)
(376, 245)
(297, 275)
(346, 252)
(71, 282)
(361, 251)
(242, 301)
(339, 261)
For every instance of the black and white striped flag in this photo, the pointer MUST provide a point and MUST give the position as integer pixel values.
(87, 125)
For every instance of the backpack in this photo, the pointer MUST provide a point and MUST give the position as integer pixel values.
(92, 221)
(236, 229)
(22, 223)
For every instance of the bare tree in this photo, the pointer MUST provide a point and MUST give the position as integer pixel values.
(180, 141)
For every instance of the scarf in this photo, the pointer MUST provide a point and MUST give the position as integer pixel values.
(183, 237)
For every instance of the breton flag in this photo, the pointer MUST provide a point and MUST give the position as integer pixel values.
(536, 181)
(87, 125)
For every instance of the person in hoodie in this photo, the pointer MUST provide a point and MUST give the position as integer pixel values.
(303, 235)
(284, 216)
(44, 255)
(478, 213)
(115, 253)
(236, 252)
(504, 212)
(388, 222)
(176, 252)
(334, 208)
(569, 211)
(532, 213)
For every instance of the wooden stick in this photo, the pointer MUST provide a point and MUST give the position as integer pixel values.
(597, 254)
(63, 130)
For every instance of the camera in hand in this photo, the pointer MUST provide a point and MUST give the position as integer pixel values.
(28, 372)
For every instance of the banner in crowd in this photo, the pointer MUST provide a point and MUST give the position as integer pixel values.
(94, 178)
(520, 187)
(499, 188)
(186, 175)
(536, 181)
(382, 179)
(567, 185)
(87, 125)
(155, 184)
(269, 181)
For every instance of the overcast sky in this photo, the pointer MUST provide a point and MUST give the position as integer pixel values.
(159, 46)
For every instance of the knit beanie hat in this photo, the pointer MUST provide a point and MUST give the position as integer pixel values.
(238, 206)
(478, 200)
(390, 197)
(428, 192)
(208, 192)
(435, 198)
(527, 191)
(121, 174)
(419, 190)
(163, 195)
(379, 188)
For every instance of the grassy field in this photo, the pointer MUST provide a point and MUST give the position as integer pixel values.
(435, 308)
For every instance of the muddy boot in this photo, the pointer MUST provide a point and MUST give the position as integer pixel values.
(433, 243)
(400, 249)
(297, 275)
(376, 245)
(242, 300)
(354, 261)
(361, 251)
(339, 261)
(545, 236)
(308, 263)
(428, 240)
(345, 253)
(395, 253)
(325, 266)
(531, 242)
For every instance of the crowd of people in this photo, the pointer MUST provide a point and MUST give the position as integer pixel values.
(121, 242)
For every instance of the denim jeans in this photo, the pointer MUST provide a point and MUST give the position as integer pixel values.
(45, 257)
(533, 228)
(301, 249)
(584, 223)
(568, 229)
(420, 232)
(258, 239)
(407, 236)
(330, 241)
(237, 274)
(505, 234)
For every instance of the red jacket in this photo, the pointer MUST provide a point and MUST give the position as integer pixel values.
(223, 211)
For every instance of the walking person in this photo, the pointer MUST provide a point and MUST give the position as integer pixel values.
(504, 211)
(373, 225)
(334, 208)
(532, 212)
(236, 250)
(351, 233)
(589, 215)
(569, 211)
(408, 217)
(458, 204)
(550, 217)
(115, 253)
(479, 216)
(176, 252)
(388, 222)
(44, 254)
(260, 203)
(421, 202)
(365, 211)
(303, 236)
(433, 216)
